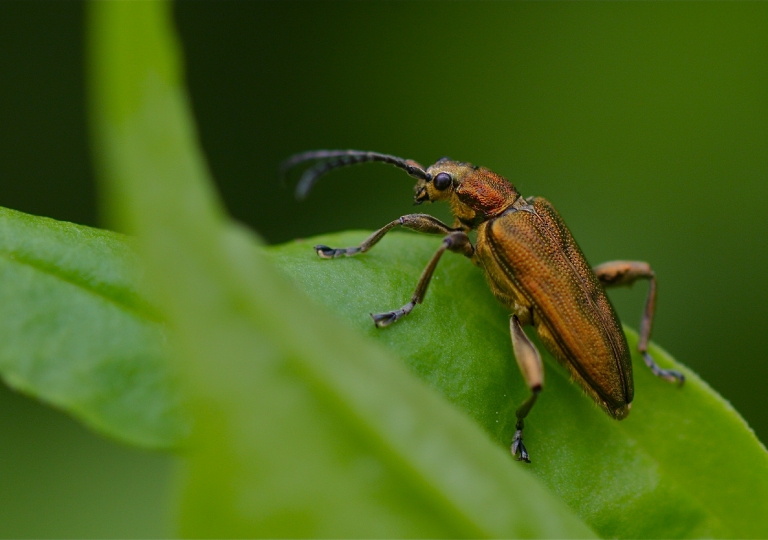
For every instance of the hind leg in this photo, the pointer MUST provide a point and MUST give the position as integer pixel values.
(617, 273)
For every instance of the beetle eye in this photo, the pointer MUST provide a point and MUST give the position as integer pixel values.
(442, 181)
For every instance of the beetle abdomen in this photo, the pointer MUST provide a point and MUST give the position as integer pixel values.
(532, 260)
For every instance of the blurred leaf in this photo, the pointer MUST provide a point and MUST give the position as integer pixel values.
(683, 464)
(75, 333)
(301, 427)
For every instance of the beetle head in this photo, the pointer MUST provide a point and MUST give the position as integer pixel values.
(441, 180)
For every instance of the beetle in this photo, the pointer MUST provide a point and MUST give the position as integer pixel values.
(533, 266)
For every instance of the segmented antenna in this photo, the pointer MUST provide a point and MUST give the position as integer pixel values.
(332, 159)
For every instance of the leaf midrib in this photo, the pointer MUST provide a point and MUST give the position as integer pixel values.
(138, 307)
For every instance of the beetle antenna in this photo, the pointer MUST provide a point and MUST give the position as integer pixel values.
(333, 159)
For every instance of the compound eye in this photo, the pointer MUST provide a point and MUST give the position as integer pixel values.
(442, 181)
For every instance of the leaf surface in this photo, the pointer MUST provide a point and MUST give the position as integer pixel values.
(683, 464)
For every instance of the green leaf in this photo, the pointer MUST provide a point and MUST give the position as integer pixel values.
(683, 464)
(75, 332)
(301, 427)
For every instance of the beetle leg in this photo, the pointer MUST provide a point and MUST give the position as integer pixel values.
(418, 222)
(456, 241)
(616, 273)
(529, 362)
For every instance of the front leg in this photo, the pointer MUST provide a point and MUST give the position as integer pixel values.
(616, 273)
(417, 222)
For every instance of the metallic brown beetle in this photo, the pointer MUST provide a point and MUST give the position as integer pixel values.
(533, 266)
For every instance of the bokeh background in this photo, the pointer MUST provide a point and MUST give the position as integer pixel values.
(646, 124)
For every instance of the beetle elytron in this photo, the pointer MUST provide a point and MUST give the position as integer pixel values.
(533, 266)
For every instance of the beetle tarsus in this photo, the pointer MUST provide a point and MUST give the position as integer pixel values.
(518, 448)
(666, 374)
(382, 320)
(325, 252)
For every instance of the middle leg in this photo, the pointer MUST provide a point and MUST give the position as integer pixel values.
(529, 362)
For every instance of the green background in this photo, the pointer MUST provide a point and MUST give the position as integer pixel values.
(646, 124)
